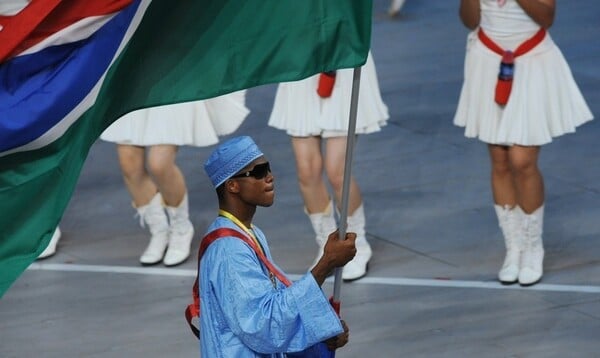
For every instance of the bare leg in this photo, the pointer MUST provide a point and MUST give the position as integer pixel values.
(516, 178)
(137, 179)
(503, 183)
(528, 178)
(166, 173)
(309, 167)
(334, 164)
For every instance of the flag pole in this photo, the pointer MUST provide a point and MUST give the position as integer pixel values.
(337, 285)
(350, 139)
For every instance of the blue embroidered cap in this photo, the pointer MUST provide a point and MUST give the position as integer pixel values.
(229, 158)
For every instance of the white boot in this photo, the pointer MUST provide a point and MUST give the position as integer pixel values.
(395, 7)
(532, 257)
(51, 248)
(181, 232)
(323, 224)
(509, 221)
(153, 215)
(357, 267)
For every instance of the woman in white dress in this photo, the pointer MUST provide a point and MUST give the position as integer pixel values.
(311, 121)
(544, 103)
(147, 142)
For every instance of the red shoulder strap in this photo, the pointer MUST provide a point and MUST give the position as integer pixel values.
(193, 310)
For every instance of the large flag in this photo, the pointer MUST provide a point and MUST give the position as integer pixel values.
(70, 68)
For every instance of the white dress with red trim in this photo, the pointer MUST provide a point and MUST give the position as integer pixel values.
(301, 112)
(545, 102)
(198, 123)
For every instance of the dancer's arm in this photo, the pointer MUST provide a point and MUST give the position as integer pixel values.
(541, 11)
(470, 13)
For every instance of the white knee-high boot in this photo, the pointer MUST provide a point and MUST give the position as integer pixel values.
(323, 224)
(181, 232)
(395, 7)
(51, 248)
(357, 267)
(532, 256)
(153, 215)
(509, 220)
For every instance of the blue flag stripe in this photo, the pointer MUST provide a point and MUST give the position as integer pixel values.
(42, 88)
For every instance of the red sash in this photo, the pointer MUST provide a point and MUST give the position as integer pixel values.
(504, 85)
(523, 48)
(193, 310)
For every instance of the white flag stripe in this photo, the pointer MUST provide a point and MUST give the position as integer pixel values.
(77, 31)
(12, 7)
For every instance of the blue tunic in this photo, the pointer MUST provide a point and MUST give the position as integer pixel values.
(243, 315)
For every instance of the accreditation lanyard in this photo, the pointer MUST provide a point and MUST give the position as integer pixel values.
(241, 225)
(250, 233)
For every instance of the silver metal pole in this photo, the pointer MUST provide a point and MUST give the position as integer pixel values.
(337, 285)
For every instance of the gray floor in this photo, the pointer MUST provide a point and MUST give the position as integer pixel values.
(431, 290)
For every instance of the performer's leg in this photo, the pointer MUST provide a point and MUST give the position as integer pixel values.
(317, 204)
(138, 181)
(508, 212)
(530, 189)
(171, 183)
(334, 166)
(146, 200)
(309, 168)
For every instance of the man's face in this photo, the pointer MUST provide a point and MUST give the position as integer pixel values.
(256, 183)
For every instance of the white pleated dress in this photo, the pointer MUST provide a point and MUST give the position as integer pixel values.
(545, 101)
(198, 123)
(301, 112)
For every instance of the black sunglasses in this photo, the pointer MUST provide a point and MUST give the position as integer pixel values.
(258, 172)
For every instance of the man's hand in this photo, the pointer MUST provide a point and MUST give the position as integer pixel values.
(336, 253)
(340, 340)
(339, 252)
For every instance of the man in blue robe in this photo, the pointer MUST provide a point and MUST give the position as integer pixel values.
(245, 310)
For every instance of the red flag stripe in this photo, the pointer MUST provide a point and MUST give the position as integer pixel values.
(16, 28)
(42, 18)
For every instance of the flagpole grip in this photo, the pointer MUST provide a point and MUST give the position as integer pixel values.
(335, 304)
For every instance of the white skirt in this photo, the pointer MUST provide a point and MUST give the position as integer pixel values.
(197, 123)
(545, 101)
(300, 111)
